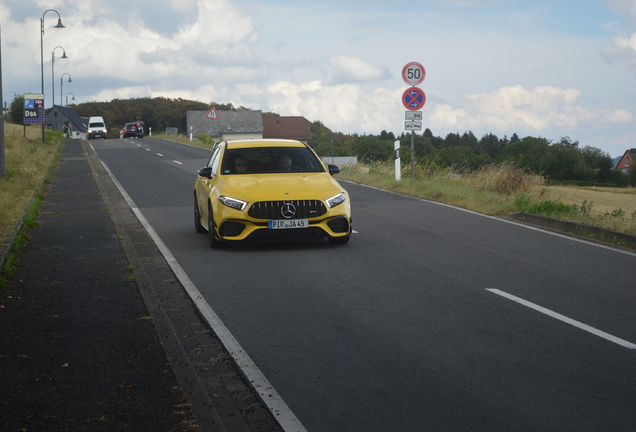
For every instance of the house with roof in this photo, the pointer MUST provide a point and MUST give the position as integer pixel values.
(57, 115)
(628, 160)
(293, 127)
(230, 125)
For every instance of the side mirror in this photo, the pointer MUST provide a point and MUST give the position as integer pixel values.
(334, 169)
(205, 172)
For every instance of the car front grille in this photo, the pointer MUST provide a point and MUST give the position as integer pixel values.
(273, 210)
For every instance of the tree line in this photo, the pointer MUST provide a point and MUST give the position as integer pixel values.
(559, 161)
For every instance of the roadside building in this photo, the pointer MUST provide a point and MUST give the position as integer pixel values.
(57, 115)
(293, 127)
(230, 125)
(628, 160)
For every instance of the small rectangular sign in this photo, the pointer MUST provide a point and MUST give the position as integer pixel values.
(413, 115)
(413, 125)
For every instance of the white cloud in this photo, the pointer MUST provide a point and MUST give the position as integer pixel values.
(343, 69)
(517, 109)
(344, 107)
(623, 48)
(625, 9)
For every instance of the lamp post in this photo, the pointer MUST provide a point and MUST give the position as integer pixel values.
(61, 82)
(59, 26)
(53, 72)
(3, 164)
(69, 93)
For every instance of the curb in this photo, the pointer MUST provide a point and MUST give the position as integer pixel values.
(574, 227)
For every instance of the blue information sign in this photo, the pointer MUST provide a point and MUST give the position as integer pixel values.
(33, 109)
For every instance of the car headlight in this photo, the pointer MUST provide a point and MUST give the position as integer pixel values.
(233, 203)
(336, 200)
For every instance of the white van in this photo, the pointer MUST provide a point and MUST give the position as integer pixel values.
(96, 128)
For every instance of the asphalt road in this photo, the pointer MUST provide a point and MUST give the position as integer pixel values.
(431, 318)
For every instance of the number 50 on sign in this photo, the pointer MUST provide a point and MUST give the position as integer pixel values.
(413, 73)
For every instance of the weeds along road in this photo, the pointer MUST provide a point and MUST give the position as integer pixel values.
(431, 318)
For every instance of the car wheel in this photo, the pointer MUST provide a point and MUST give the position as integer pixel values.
(340, 240)
(215, 243)
(197, 217)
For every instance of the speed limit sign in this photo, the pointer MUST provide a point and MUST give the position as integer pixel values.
(413, 73)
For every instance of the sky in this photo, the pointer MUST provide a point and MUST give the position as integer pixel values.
(541, 68)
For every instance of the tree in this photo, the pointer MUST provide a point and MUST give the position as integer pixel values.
(565, 162)
(459, 157)
(370, 148)
(491, 145)
(469, 139)
(600, 161)
(527, 153)
(16, 110)
(387, 136)
(451, 140)
(632, 175)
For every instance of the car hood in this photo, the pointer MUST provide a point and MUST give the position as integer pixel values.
(277, 187)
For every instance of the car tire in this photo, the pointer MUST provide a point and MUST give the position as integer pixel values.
(197, 218)
(340, 240)
(215, 243)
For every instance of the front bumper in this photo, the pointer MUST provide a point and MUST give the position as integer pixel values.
(247, 230)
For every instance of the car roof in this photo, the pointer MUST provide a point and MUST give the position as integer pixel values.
(263, 143)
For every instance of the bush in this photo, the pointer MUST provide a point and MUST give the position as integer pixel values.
(524, 204)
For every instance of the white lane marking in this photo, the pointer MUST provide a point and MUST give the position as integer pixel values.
(159, 154)
(565, 319)
(147, 149)
(177, 162)
(270, 397)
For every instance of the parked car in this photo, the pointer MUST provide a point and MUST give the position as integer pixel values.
(269, 190)
(130, 130)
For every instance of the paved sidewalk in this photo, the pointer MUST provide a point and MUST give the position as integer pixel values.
(96, 334)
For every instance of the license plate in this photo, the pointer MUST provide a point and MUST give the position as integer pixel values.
(286, 224)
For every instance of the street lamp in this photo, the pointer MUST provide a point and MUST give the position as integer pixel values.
(69, 93)
(59, 26)
(69, 80)
(3, 163)
(53, 72)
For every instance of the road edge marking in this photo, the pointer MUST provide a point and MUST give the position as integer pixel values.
(270, 397)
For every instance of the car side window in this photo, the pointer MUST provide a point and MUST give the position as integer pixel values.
(214, 161)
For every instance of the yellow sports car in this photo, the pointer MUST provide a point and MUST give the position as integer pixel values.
(269, 190)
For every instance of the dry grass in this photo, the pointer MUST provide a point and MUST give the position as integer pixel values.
(605, 200)
(494, 189)
(491, 190)
(27, 163)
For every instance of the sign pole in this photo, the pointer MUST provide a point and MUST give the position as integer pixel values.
(412, 154)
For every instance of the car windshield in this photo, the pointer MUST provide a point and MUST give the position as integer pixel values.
(264, 160)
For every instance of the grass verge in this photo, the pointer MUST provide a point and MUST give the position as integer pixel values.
(29, 164)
